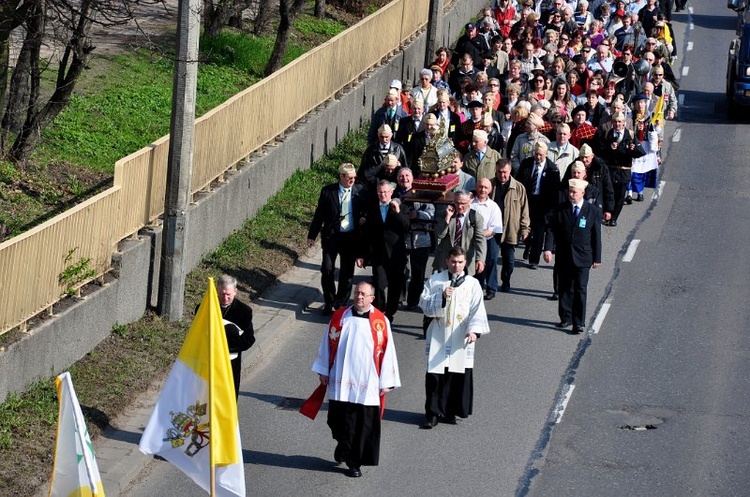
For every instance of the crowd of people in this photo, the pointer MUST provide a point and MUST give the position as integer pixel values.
(556, 112)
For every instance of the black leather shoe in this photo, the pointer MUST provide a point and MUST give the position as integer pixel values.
(450, 420)
(327, 310)
(628, 200)
(552, 297)
(613, 223)
(639, 198)
(489, 296)
(533, 266)
(505, 288)
(563, 324)
(577, 330)
(430, 422)
(354, 472)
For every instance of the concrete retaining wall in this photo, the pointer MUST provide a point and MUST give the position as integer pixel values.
(57, 343)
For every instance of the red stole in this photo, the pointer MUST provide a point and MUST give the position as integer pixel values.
(380, 339)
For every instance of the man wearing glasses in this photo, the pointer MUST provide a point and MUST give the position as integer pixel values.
(664, 88)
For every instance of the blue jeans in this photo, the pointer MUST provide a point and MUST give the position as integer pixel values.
(488, 277)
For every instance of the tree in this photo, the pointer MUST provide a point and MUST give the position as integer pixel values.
(12, 14)
(287, 13)
(320, 9)
(69, 26)
(262, 17)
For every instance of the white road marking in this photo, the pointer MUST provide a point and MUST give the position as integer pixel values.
(685, 70)
(600, 317)
(658, 191)
(681, 99)
(564, 403)
(690, 26)
(690, 9)
(689, 46)
(677, 135)
(630, 253)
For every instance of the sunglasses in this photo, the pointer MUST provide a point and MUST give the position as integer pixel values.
(564, 38)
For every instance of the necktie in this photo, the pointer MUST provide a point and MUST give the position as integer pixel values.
(480, 156)
(535, 180)
(576, 211)
(383, 210)
(345, 210)
(459, 231)
(391, 112)
(617, 135)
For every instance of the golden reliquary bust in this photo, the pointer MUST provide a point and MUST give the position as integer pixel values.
(438, 155)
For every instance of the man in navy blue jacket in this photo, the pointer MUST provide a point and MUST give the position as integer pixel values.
(574, 233)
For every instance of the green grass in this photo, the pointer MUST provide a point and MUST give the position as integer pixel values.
(310, 25)
(125, 102)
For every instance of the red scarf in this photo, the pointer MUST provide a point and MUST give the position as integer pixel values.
(380, 339)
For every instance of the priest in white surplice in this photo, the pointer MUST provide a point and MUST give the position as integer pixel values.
(455, 301)
(357, 361)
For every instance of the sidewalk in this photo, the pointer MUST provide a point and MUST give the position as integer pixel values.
(117, 452)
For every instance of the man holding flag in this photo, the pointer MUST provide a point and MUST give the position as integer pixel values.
(357, 364)
(194, 424)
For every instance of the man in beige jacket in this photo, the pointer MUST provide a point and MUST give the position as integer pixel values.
(511, 196)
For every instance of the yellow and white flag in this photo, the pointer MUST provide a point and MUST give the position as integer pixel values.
(194, 424)
(75, 473)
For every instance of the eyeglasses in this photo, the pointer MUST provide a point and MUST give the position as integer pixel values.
(494, 84)
(604, 44)
(564, 38)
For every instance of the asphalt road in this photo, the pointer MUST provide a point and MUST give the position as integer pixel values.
(649, 402)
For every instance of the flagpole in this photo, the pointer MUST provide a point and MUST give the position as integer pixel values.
(212, 464)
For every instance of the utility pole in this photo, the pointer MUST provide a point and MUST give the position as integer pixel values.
(434, 28)
(179, 169)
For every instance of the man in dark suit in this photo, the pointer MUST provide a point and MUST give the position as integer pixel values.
(617, 148)
(390, 113)
(541, 179)
(448, 121)
(373, 157)
(385, 225)
(335, 218)
(412, 135)
(574, 232)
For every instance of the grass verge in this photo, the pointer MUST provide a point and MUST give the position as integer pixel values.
(125, 364)
(123, 103)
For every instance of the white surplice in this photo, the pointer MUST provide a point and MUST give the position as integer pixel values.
(353, 377)
(463, 313)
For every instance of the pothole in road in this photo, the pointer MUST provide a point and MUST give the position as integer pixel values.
(637, 427)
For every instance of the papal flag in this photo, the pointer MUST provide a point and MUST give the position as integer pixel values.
(194, 424)
(75, 472)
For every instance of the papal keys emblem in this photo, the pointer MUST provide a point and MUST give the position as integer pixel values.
(189, 426)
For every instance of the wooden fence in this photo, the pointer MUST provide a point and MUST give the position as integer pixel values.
(42, 265)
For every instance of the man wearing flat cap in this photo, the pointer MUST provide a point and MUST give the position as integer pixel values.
(480, 161)
(574, 233)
